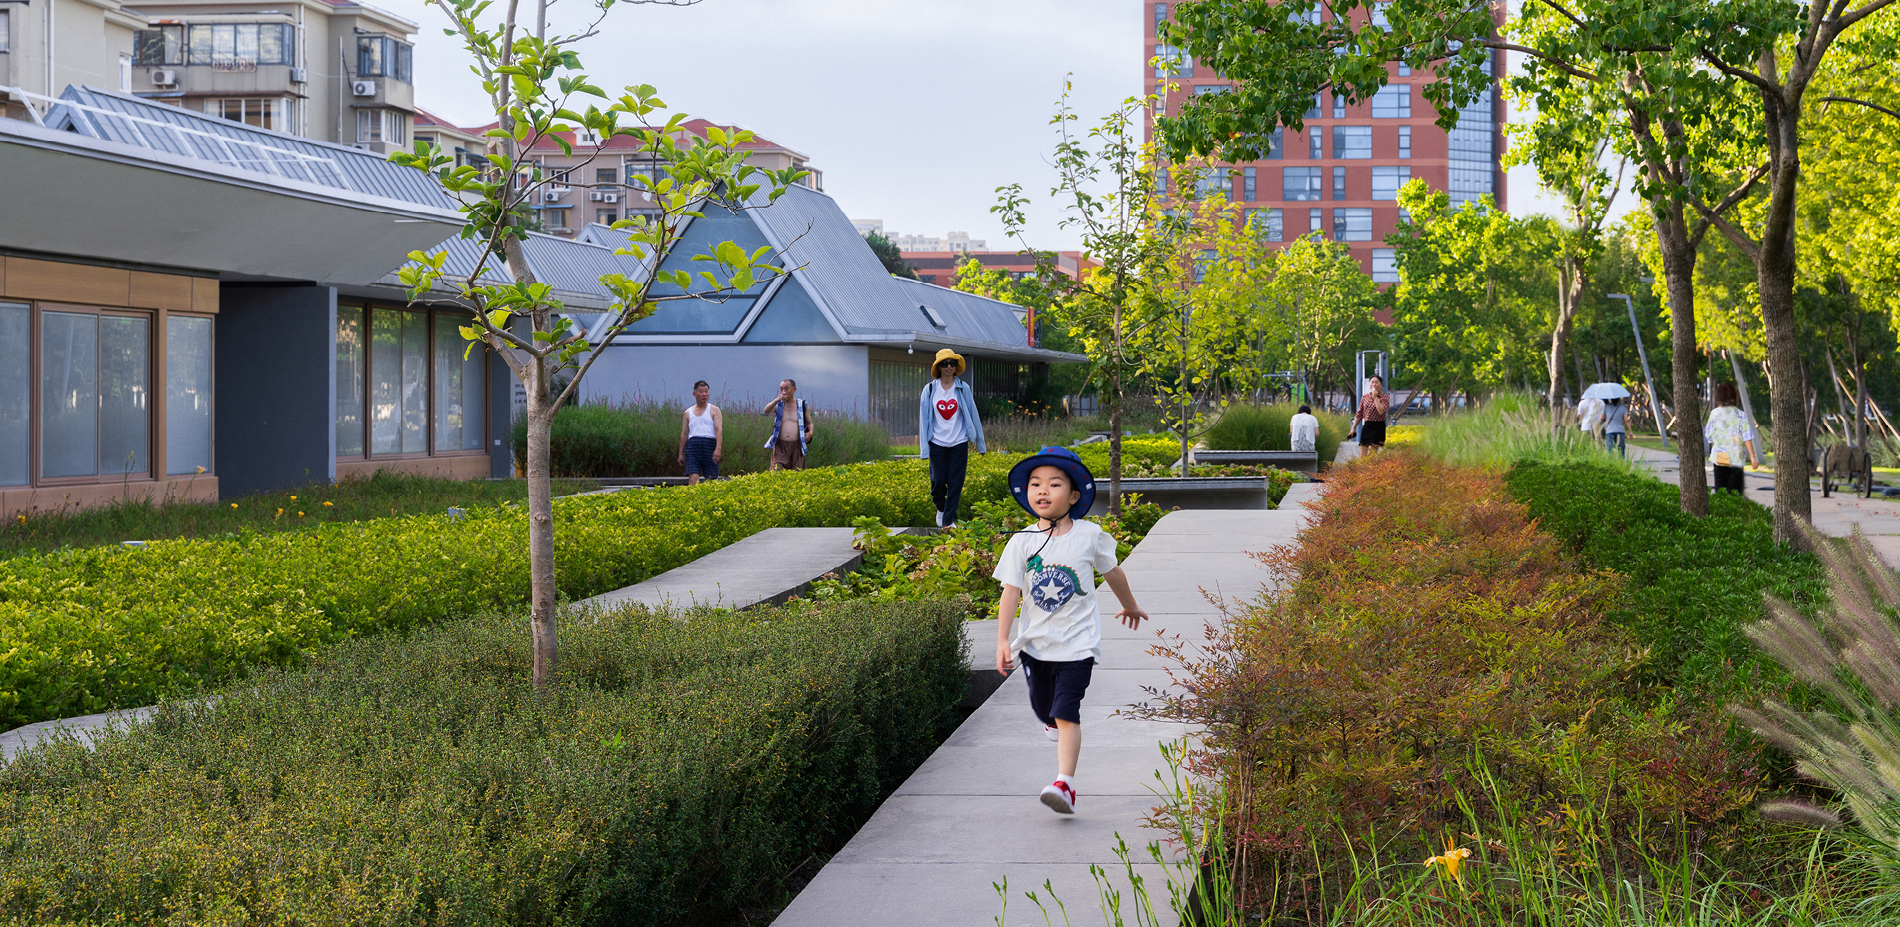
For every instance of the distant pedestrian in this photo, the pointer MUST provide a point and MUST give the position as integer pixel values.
(1305, 430)
(1729, 434)
(1590, 417)
(1615, 436)
(1370, 419)
(791, 434)
(947, 424)
(702, 437)
(1048, 574)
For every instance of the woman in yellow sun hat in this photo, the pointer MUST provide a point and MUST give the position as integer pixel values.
(947, 424)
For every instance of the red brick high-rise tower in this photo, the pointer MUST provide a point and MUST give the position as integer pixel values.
(1341, 174)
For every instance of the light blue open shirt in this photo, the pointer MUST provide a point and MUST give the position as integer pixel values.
(966, 413)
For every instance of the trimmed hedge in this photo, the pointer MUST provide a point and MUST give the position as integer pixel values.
(86, 630)
(682, 767)
(1270, 427)
(642, 439)
(1154, 450)
(1693, 583)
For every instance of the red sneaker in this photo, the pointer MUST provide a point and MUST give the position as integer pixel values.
(1059, 797)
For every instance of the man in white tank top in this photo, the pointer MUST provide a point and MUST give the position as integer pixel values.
(702, 436)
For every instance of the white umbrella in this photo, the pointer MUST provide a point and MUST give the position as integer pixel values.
(1606, 391)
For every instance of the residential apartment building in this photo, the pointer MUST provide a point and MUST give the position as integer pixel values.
(595, 184)
(1340, 174)
(951, 241)
(330, 70)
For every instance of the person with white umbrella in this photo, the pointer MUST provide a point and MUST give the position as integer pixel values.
(1615, 409)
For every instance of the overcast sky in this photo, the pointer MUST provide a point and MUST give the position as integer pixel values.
(915, 111)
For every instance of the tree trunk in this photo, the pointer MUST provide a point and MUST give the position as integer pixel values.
(1114, 442)
(541, 526)
(1775, 281)
(1569, 293)
(1678, 259)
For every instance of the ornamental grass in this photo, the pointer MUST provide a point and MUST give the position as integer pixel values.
(1430, 658)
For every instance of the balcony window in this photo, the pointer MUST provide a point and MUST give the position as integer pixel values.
(263, 113)
(382, 56)
(1386, 182)
(240, 46)
(1352, 142)
(1393, 101)
(381, 125)
(1301, 183)
(157, 46)
(1352, 224)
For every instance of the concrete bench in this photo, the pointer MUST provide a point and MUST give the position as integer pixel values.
(1301, 461)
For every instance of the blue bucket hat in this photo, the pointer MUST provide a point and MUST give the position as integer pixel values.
(1063, 459)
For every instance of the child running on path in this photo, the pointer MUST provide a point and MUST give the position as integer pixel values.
(1060, 637)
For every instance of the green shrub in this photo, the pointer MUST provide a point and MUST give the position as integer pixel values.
(681, 767)
(86, 630)
(1511, 427)
(1149, 450)
(1694, 583)
(601, 441)
(1268, 427)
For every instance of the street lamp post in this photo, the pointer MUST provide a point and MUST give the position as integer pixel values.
(1655, 401)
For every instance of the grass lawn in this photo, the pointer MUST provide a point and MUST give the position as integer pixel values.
(380, 496)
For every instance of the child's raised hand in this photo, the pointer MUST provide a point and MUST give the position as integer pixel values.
(1005, 660)
(1132, 616)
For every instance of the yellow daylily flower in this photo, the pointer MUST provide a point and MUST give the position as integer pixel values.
(1451, 863)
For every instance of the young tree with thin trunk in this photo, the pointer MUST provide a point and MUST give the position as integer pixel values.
(1106, 187)
(536, 87)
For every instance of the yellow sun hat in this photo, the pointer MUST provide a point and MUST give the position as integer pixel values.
(947, 355)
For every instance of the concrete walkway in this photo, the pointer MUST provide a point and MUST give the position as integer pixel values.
(770, 566)
(969, 817)
(1835, 515)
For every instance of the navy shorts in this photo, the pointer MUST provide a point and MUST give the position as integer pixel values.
(699, 458)
(1056, 687)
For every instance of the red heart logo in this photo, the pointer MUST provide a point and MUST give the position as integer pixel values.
(946, 408)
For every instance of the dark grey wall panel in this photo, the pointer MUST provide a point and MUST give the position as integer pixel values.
(276, 387)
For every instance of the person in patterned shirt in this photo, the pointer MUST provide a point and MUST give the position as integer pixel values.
(1369, 420)
(1728, 435)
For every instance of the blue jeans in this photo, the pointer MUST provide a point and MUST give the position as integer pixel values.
(1613, 440)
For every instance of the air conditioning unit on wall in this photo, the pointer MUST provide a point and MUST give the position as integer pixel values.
(596, 196)
(165, 78)
(299, 76)
(363, 88)
(550, 196)
(610, 197)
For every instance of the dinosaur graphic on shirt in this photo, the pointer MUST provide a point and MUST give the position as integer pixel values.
(1051, 585)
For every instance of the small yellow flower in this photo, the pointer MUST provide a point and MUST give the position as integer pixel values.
(201, 469)
(234, 505)
(1451, 863)
(293, 498)
(328, 504)
(299, 514)
(280, 513)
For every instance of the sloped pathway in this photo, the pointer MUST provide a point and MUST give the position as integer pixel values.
(969, 817)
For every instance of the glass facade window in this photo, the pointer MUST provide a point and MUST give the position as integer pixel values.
(1212, 181)
(1378, 15)
(1300, 183)
(1339, 183)
(157, 46)
(459, 385)
(1312, 112)
(1172, 62)
(1393, 101)
(382, 56)
(94, 394)
(241, 46)
(405, 378)
(1269, 223)
(16, 396)
(187, 394)
(1339, 106)
(1161, 13)
(1386, 181)
(1405, 141)
(604, 177)
(381, 125)
(1353, 142)
(1469, 150)
(606, 216)
(1405, 70)
(1313, 143)
(1247, 185)
(1276, 144)
(6, 31)
(1313, 220)
(352, 350)
(1385, 266)
(398, 383)
(1352, 224)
